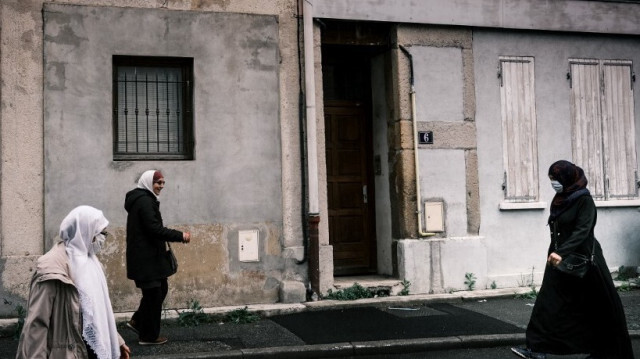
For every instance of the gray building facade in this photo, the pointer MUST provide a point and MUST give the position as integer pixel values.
(306, 140)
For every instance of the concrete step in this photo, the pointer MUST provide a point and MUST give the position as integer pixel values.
(381, 285)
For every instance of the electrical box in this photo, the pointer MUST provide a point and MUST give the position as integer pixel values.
(434, 216)
(248, 246)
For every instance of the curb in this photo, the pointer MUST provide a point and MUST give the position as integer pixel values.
(350, 349)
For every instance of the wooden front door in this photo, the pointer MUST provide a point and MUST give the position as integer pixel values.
(350, 193)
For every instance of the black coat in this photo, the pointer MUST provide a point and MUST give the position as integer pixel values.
(147, 237)
(578, 315)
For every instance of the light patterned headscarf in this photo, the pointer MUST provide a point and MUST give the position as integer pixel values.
(77, 230)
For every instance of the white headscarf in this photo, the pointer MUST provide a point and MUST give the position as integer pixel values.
(146, 181)
(77, 230)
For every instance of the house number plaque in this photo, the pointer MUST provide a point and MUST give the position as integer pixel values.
(425, 137)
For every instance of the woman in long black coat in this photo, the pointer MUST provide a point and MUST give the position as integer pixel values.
(147, 261)
(575, 315)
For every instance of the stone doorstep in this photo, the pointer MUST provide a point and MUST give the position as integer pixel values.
(374, 283)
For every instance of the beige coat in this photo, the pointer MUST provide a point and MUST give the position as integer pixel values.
(53, 326)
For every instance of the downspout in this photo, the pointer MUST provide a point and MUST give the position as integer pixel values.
(421, 232)
(312, 149)
(310, 101)
(303, 148)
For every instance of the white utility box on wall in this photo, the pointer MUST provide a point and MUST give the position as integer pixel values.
(434, 216)
(248, 246)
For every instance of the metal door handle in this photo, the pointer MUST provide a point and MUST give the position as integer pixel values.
(365, 198)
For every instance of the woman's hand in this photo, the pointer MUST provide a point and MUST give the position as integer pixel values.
(554, 259)
(125, 352)
(186, 237)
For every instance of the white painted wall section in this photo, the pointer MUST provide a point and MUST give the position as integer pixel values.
(439, 83)
(442, 177)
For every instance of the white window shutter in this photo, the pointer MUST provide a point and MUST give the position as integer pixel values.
(519, 134)
(585, 122)
(618, 129)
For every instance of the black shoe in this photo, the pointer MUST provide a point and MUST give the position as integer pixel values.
(158, 341)
(526, 353)
(131, 325)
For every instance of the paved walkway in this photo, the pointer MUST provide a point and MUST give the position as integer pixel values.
(326, 329)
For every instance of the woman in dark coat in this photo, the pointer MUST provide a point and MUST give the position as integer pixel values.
(147, 261)
(575, 315)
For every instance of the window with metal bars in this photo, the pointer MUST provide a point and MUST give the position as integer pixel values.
(152, 108)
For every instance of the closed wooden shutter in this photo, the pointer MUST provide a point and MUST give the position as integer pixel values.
(603, 127)
(585, 122)
(619, 129)
(519, 134)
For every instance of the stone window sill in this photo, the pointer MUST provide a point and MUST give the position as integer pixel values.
(511, 206)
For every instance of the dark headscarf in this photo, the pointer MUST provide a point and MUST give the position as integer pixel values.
(574, 185)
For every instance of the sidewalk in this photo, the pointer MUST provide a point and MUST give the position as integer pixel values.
(328, 328)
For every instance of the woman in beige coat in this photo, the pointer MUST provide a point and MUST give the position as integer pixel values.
(69, 312)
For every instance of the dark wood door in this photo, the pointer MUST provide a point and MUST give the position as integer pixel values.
(350, 192)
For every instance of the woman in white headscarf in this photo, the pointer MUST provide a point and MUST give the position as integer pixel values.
(147, 262)
(70, 314)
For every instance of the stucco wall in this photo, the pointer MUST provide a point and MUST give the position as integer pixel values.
(235, 179)
(517, 240)
(244, 109)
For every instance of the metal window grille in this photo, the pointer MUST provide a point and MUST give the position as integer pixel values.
(152, 108)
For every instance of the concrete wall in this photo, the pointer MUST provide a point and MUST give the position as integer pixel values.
(517, 240)
(556, 15)
(236, 174)
(507, 247)
(246, 174)
(439, 83)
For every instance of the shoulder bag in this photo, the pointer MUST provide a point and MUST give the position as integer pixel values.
(575, 264)
(172, 259)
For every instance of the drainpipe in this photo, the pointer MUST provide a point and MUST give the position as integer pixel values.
(421, 232)
(312, 149)
(303, 143)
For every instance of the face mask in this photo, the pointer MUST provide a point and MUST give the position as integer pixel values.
(96, 245)
(557, 186)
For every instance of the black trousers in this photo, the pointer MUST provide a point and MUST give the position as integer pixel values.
(149, 313)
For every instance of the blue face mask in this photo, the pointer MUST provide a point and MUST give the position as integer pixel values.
(557, 186)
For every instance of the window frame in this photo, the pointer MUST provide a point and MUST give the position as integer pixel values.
(185, 64)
